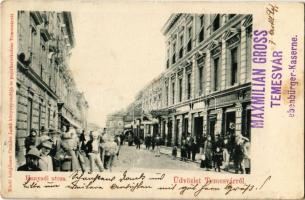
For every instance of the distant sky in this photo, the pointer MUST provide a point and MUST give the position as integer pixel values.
(117, 53)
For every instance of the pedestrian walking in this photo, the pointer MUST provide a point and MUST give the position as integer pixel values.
(117, 140)
(111, 149)
(208, 154)
(69, 161)
(183, 150)
(174, 152)
(137, 142)
(194, 149)
(226, 154)
(238, 155)
(153, 142)
(217, 152)
(130, 139)
(148, 141)
(189, 141)
(93, 148)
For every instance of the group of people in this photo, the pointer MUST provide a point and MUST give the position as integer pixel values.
(189, 148)
(220, 152)
(152, 142)
(70, 150)
(217, 153)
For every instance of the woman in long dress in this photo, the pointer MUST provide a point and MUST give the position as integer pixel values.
(208, 153)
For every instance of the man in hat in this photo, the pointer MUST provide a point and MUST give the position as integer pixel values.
(45, 162)
(93, 148)
(32, 158)
(31, 140)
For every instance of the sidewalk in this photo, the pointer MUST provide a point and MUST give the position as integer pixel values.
(168, 151)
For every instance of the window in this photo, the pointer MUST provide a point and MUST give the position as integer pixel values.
(234, 65)
(216, 66)
(167, 61)
(174, 53)
(173, 93)
(39, 116)
(33, 33)
(166, 92)
(30, 114)
(189, 86)
(48, 117)
(201, 33)
(180, 89)
(181, 47)
(189, 43)
(216, 23)
(200, 80)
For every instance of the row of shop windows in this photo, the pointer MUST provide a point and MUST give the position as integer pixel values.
(227, 127)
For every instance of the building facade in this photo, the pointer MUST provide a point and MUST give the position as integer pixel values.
(47, 97)
(206, 86)
(115, 123)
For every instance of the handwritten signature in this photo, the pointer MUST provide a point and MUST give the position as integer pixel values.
(141, 181)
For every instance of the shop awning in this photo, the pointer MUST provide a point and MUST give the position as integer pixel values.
(163, 112)
(71, 122)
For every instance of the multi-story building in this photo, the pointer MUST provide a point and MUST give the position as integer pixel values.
(207, 77)
(205, 88)
(47, 97)
(151, 101)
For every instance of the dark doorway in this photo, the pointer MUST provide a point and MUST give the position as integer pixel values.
(198, 126)
(211, 127)
(177, 131)
(155, 130)
(163, 130)
(185, 127)
(169, 133)
(230, 123)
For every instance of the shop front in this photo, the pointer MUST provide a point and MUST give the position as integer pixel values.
(229, 113)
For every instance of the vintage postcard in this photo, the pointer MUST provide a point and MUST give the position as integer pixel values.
(152, 99)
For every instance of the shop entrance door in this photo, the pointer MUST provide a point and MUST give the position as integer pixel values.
(198, 127)
(230, 123)
(212, 124)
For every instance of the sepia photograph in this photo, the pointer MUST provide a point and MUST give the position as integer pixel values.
(133, 91)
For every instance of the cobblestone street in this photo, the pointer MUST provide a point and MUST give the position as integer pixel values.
(131, 158)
